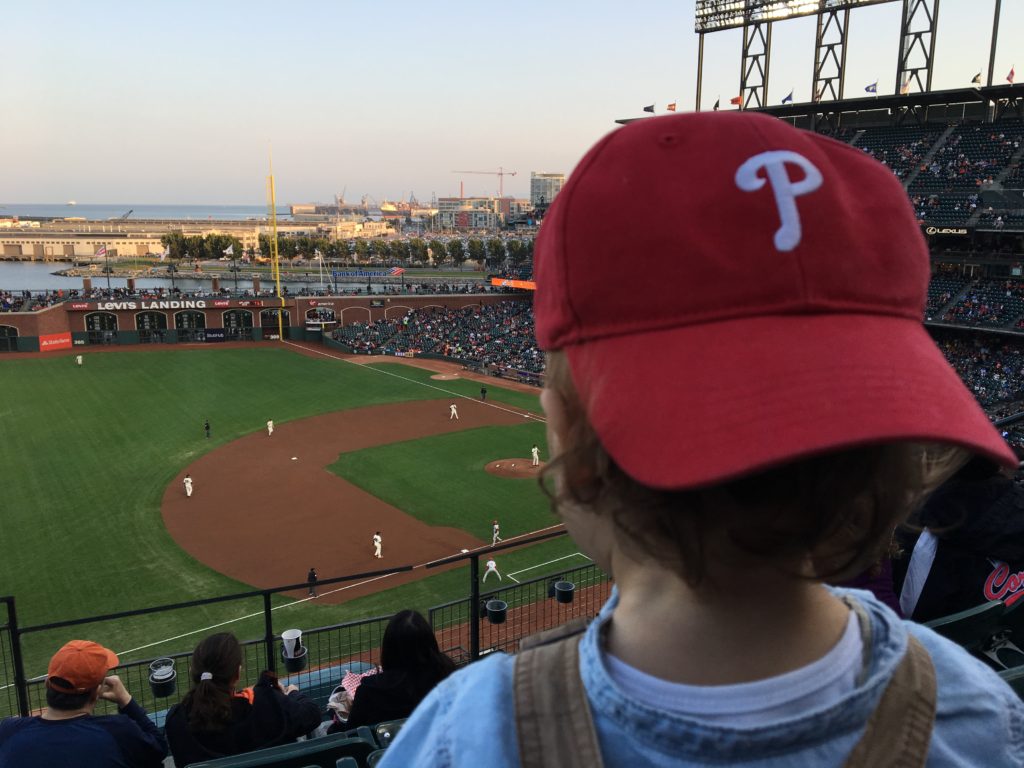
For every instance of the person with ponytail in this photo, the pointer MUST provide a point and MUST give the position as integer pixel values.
(216, 718)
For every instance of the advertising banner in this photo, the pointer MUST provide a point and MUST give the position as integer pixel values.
(221, 303)
(526, 285)
(54, 341)
(79, 305)
(215, 334)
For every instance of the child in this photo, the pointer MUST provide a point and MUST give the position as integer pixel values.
(744, 409)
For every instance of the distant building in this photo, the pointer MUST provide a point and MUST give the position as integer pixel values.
(478, 212)
(544, 187)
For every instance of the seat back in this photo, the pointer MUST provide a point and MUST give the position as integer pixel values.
(1015, 677)
(322, 753)
(386, 731)
(973, 628)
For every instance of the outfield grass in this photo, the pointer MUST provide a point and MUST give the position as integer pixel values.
(86, 454)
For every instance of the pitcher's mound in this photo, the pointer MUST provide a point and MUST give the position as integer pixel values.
(513, 468)
(445, 376)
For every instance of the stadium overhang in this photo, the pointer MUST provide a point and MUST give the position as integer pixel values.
(716, 15)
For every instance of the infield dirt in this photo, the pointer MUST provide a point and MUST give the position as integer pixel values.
(258, 516)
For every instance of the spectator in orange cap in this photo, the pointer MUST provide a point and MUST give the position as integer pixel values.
(68, 734)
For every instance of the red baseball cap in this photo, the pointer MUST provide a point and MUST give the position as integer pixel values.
(733, 293)
(81, 663)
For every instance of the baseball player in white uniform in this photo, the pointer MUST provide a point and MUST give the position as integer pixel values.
(535, 453)
(188, 485)
(492, 567)
(377, 541)
(453, 412)
(270, 428)
(78, 359)
(495, 533)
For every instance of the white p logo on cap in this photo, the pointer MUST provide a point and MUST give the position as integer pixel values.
(786, 191)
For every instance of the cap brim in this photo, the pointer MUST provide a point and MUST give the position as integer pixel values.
(693, 406)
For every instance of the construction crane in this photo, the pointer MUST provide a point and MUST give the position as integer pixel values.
(501, 173)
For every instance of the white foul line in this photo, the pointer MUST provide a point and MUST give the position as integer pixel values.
(541, 565)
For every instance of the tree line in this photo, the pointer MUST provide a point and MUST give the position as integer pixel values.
(492, 252)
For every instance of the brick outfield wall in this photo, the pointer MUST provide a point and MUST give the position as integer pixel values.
(62, 318)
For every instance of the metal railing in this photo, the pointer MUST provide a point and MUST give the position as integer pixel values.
(331, 650)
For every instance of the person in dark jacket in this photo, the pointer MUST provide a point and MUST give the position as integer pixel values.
(215, 720)
(411, 663)
(67, 734)
(971, 549)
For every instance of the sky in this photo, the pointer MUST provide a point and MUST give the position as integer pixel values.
(176, 101)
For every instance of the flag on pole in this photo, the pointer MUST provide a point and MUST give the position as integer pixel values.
(649, 108)
(905, 87)
(718, 103)
(230, 250)
(976, 79)
(873, 88)
(737, 100)
(788, 99)
(671, 107)
(1009, 77)
(102, 251)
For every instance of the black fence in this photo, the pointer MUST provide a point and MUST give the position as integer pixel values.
(330, 651)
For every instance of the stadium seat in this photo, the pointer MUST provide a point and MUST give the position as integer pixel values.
(386, 731)
(1015, 677)
(318, 753)
(973, 628)
(351, 762)
(373, 758)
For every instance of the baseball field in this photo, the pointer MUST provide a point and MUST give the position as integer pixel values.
(94, 518)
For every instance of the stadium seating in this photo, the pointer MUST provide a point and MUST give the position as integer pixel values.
(900, 148)
(323, 752)
(386, 732)
(500, 335)
(992, 303)
(1015, 678)
(972, 629)
(941, 290)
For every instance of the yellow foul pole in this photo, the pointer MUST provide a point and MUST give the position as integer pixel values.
(275, 264)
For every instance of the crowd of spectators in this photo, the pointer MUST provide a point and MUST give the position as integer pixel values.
(497, 336)
(29, 301)
(902, 149)
(992, 368)
(971, 157)
(218, 716)
(989, 303)
(32, 301)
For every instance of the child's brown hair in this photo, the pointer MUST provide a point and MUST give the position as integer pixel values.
(836, 510)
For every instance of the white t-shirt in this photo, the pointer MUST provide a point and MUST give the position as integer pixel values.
(749, 705)
(491, 565)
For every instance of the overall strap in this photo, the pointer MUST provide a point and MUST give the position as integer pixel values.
(553, 719)
(900, 729)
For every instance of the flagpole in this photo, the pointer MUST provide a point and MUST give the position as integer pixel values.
(995, 36)
(106, 267)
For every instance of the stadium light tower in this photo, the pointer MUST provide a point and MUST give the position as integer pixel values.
(919, 22)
